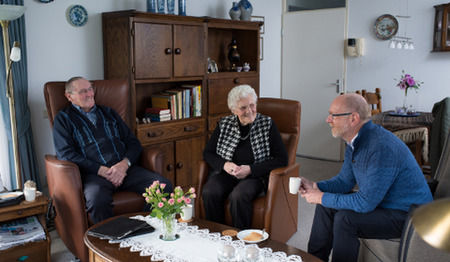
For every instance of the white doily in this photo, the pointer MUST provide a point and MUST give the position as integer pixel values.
(194, 244)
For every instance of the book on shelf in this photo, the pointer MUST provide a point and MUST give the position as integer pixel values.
(179, 97)
(157, 111)
(166, 101)
(196, 99)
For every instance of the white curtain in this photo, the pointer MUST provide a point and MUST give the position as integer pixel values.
(5, 178)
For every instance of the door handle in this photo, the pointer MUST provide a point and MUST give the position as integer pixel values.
(338, 86)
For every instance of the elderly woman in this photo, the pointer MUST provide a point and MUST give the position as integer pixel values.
(241, 152)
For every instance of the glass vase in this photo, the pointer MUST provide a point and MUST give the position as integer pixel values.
(160, 4)
(169, 224)
(182, 7)
(170, 7)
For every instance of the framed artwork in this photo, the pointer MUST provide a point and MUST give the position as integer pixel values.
(259, 19)
(261, 48)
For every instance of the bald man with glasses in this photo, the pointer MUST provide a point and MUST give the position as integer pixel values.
(386, 173)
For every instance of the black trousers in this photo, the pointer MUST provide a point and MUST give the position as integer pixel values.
(240, 192)
(339, 230)
(98, 190)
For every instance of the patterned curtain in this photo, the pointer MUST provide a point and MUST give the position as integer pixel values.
(29, 168)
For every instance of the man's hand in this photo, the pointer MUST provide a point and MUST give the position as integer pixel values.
(310, 192)
(116, 173)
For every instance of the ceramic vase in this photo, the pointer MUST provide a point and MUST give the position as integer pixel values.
(182, 7)
(168, 228)
(151, 6)
(235, 11)
(170, 7)
(246, 10)
(160, 4)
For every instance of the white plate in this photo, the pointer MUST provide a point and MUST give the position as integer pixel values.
(10, 195)
(242, 234)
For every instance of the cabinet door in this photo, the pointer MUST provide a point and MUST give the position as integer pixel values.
(169, 160)
(152, 50)
(189, 48)
(219, 89)
(188, 153)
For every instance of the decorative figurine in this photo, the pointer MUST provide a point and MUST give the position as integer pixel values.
(246, 67)
(233, 54)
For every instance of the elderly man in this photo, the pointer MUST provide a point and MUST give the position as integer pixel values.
(97, 139)
(388, 177)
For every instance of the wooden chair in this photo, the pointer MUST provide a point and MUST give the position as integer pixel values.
(276, 211)
(374, 99)
(63, 177)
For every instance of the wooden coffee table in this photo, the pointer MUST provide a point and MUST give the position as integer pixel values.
(101, 250)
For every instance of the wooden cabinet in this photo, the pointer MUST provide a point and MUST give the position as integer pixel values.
(36, 251)
(441, 39)
(157, 52)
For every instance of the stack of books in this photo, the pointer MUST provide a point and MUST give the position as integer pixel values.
(157, 114)
(183, 102)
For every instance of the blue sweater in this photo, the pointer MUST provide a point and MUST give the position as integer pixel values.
(385, 170)
(107, 143)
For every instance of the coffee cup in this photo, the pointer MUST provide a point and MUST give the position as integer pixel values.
(186, 213)
(294, 184)
(30, 193)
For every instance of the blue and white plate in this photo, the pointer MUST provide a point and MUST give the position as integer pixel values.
(77, 15)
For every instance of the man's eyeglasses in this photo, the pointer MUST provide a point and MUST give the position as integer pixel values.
(333, 116)
(84, 91)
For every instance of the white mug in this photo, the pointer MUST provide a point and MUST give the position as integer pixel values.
(186, 212)
(294, 184)
(30, 193)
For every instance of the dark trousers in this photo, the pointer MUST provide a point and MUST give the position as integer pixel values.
(340, 229)
(240, 192)
(98, 190)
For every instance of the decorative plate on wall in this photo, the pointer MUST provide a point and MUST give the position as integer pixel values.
(77, 15)
(385, 27)
(45, 1)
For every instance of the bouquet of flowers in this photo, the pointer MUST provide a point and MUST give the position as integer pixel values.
(407, 82)
(163, 205)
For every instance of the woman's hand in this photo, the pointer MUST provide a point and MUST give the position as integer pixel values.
(231, 168)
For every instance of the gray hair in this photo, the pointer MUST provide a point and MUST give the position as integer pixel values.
(239, 92)
(69, 86)
(358, 104)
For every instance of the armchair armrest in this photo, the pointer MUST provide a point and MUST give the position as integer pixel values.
(152, 159)
(280, 204)
(66, 190)
(203, 170)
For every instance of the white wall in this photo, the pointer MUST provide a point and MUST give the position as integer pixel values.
(381, 65)
(58, 51)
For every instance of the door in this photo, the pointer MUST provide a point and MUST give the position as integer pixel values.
(313, 61)
(188, 152)
(189, 50)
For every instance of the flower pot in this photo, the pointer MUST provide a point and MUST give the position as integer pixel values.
(169, 228)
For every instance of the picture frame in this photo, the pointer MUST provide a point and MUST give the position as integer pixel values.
(261, 48)
(212, 67)
(259, 19)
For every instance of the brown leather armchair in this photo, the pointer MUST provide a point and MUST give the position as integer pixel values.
(63, 177)
(276, 211)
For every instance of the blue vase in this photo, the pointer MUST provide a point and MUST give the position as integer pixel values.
(160, 6)
(171, 7)
(246, 10)
(235, 12)
(182, 7)
(151, 6)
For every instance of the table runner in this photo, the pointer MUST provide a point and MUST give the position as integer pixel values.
(194, 244)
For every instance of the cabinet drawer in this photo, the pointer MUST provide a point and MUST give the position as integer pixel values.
(36, 251)
(24, 212)
(219, 89)
(152, 133)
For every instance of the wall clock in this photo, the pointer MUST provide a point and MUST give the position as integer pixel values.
(385, 27)
(77, 15)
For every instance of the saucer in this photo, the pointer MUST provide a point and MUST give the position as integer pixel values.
(242, 234)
